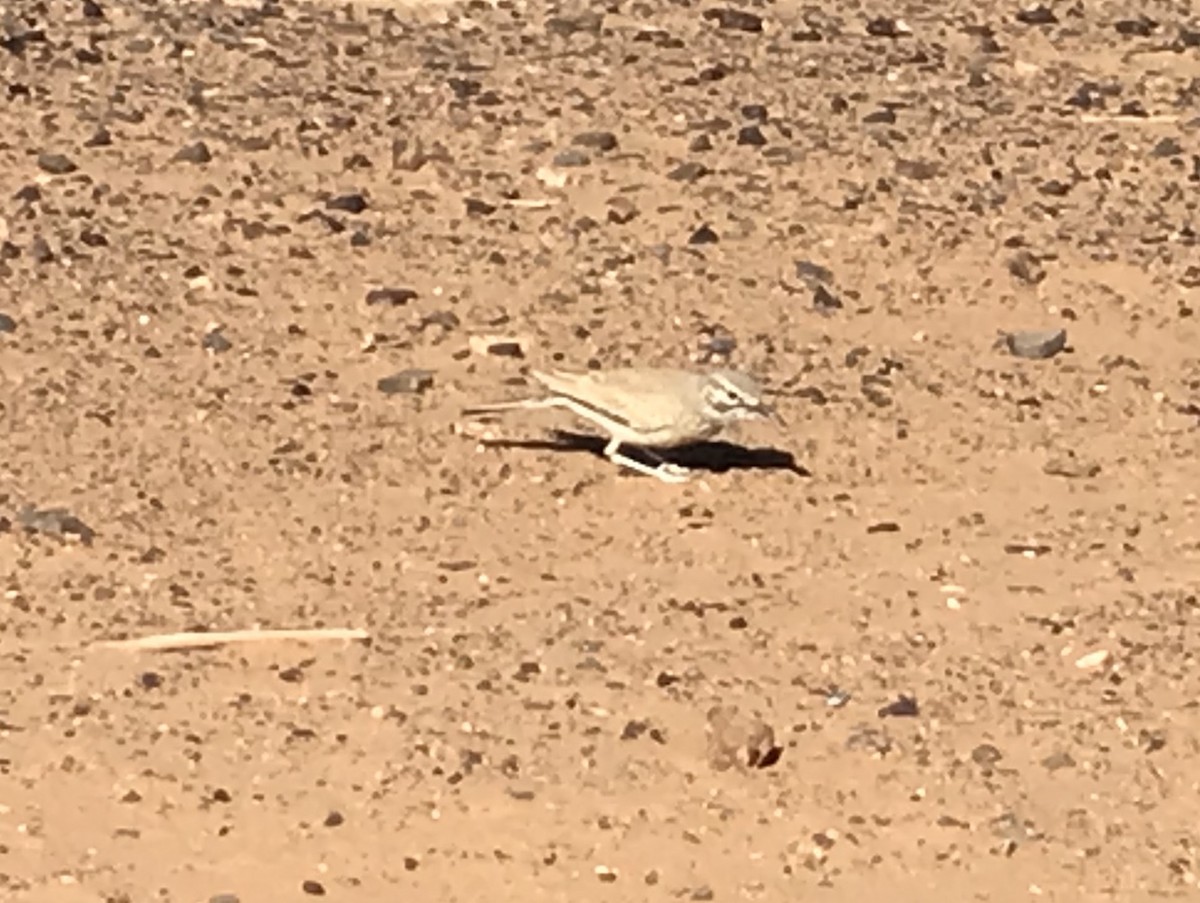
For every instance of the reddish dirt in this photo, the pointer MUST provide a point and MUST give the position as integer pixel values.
(1011, 545)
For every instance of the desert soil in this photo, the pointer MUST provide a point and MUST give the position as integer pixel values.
(932, 635)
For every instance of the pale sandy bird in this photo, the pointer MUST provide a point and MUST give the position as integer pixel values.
(647, 407)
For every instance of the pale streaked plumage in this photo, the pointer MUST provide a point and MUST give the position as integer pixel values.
(647, 407)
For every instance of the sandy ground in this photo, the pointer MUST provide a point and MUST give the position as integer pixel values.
(952, 597)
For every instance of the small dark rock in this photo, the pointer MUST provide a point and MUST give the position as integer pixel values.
(93, 10)
(215, 342)
(883, 116)
(7, 324)
(55, 522)
(1058, 760)
(986, 754)
(1141, 27)
(102, 137)
(704, 236)
(349, 203)
(886, 27)
(1037, 15)
(334, 819)
(751, 136)
(40, 250)
(813, 274)
(1134, 108)
(478, 207)
(571, 157)
(755, 112)
(1167, 147)
(1055, 188)
(735, 20)
(1026, 266)
(700, 143)
(903, 707)
(824, 300)
(28, 194)
(197, 153)
(565, 26)
(621, 210)
(601, 141)
(393, 297)
(56, 164)
(917, 170)
(689, 171)
(735, 737)
(1036, 344)
(406, 382)
(1071, 467)
(313, 888)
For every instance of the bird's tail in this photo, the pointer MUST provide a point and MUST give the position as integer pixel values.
(500, 407)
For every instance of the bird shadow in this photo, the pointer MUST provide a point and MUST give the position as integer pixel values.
(714, 457)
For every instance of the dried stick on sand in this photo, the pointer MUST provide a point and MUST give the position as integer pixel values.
(199, 639)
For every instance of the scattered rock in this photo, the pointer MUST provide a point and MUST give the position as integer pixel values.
(1037, 15)
(826, 301)
(736, 738)
(215, 342)
(406, 382)
(601, 141)
(1096, 659)
(1057, 761)
(7, 323)
(735, 20)
(882, 116)
(497, 346)
(700, 143)
(751, 136)
(902, 707)
(571, 157)
(197, 153)
(55, 522)
(56, 164)
(1027, 267)
(704, 236)
(1036, 344)
(392, 297)
(40, 250)
(224, 898)
(1071, 467)
(621, 210)
(313, 888)
(716, 341)
(689, 171)
(478, 207)
(887, 27)
(347, 203)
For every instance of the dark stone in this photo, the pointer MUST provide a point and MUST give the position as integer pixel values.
(735, 20)
(1167, 147)
(689, 171)
(601, 141)
(1026, 266)
(1037, 15)
(700, 143)
(751, 136)
(406, 382)
(348, 203)
(197, 153)
(54, 522)
(756, 112)
(477, 207)
(56, 164)
(215, 342)
(394, 297)
(571, 157)
(1141, 27)
(884, 116)
(903, 707)
(102, 137)
(7, 324)
(886, 27)
(93, 10)
(704, 236)
(825, 300)
(1036, 344)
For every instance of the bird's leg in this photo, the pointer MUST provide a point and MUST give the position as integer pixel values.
(667, 473)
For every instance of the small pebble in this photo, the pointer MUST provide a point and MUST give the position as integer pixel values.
(197, 153)
(7, 324)
(571, 157)
(56, 164)
(406, 382)
(224, 898)
(313, 888)
(348, 203)
(215, 342)
(601, 141)
(704, 236)
(1036, 344)
(737, 738)
(735, 20)
(392, 297)
(689, 171)
(751, 136)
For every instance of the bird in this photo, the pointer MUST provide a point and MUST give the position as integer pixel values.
(647, 407)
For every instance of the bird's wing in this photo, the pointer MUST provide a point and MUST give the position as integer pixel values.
(626, 395)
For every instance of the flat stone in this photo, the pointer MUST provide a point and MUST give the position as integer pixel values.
(1036, 344)
(406, 382)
